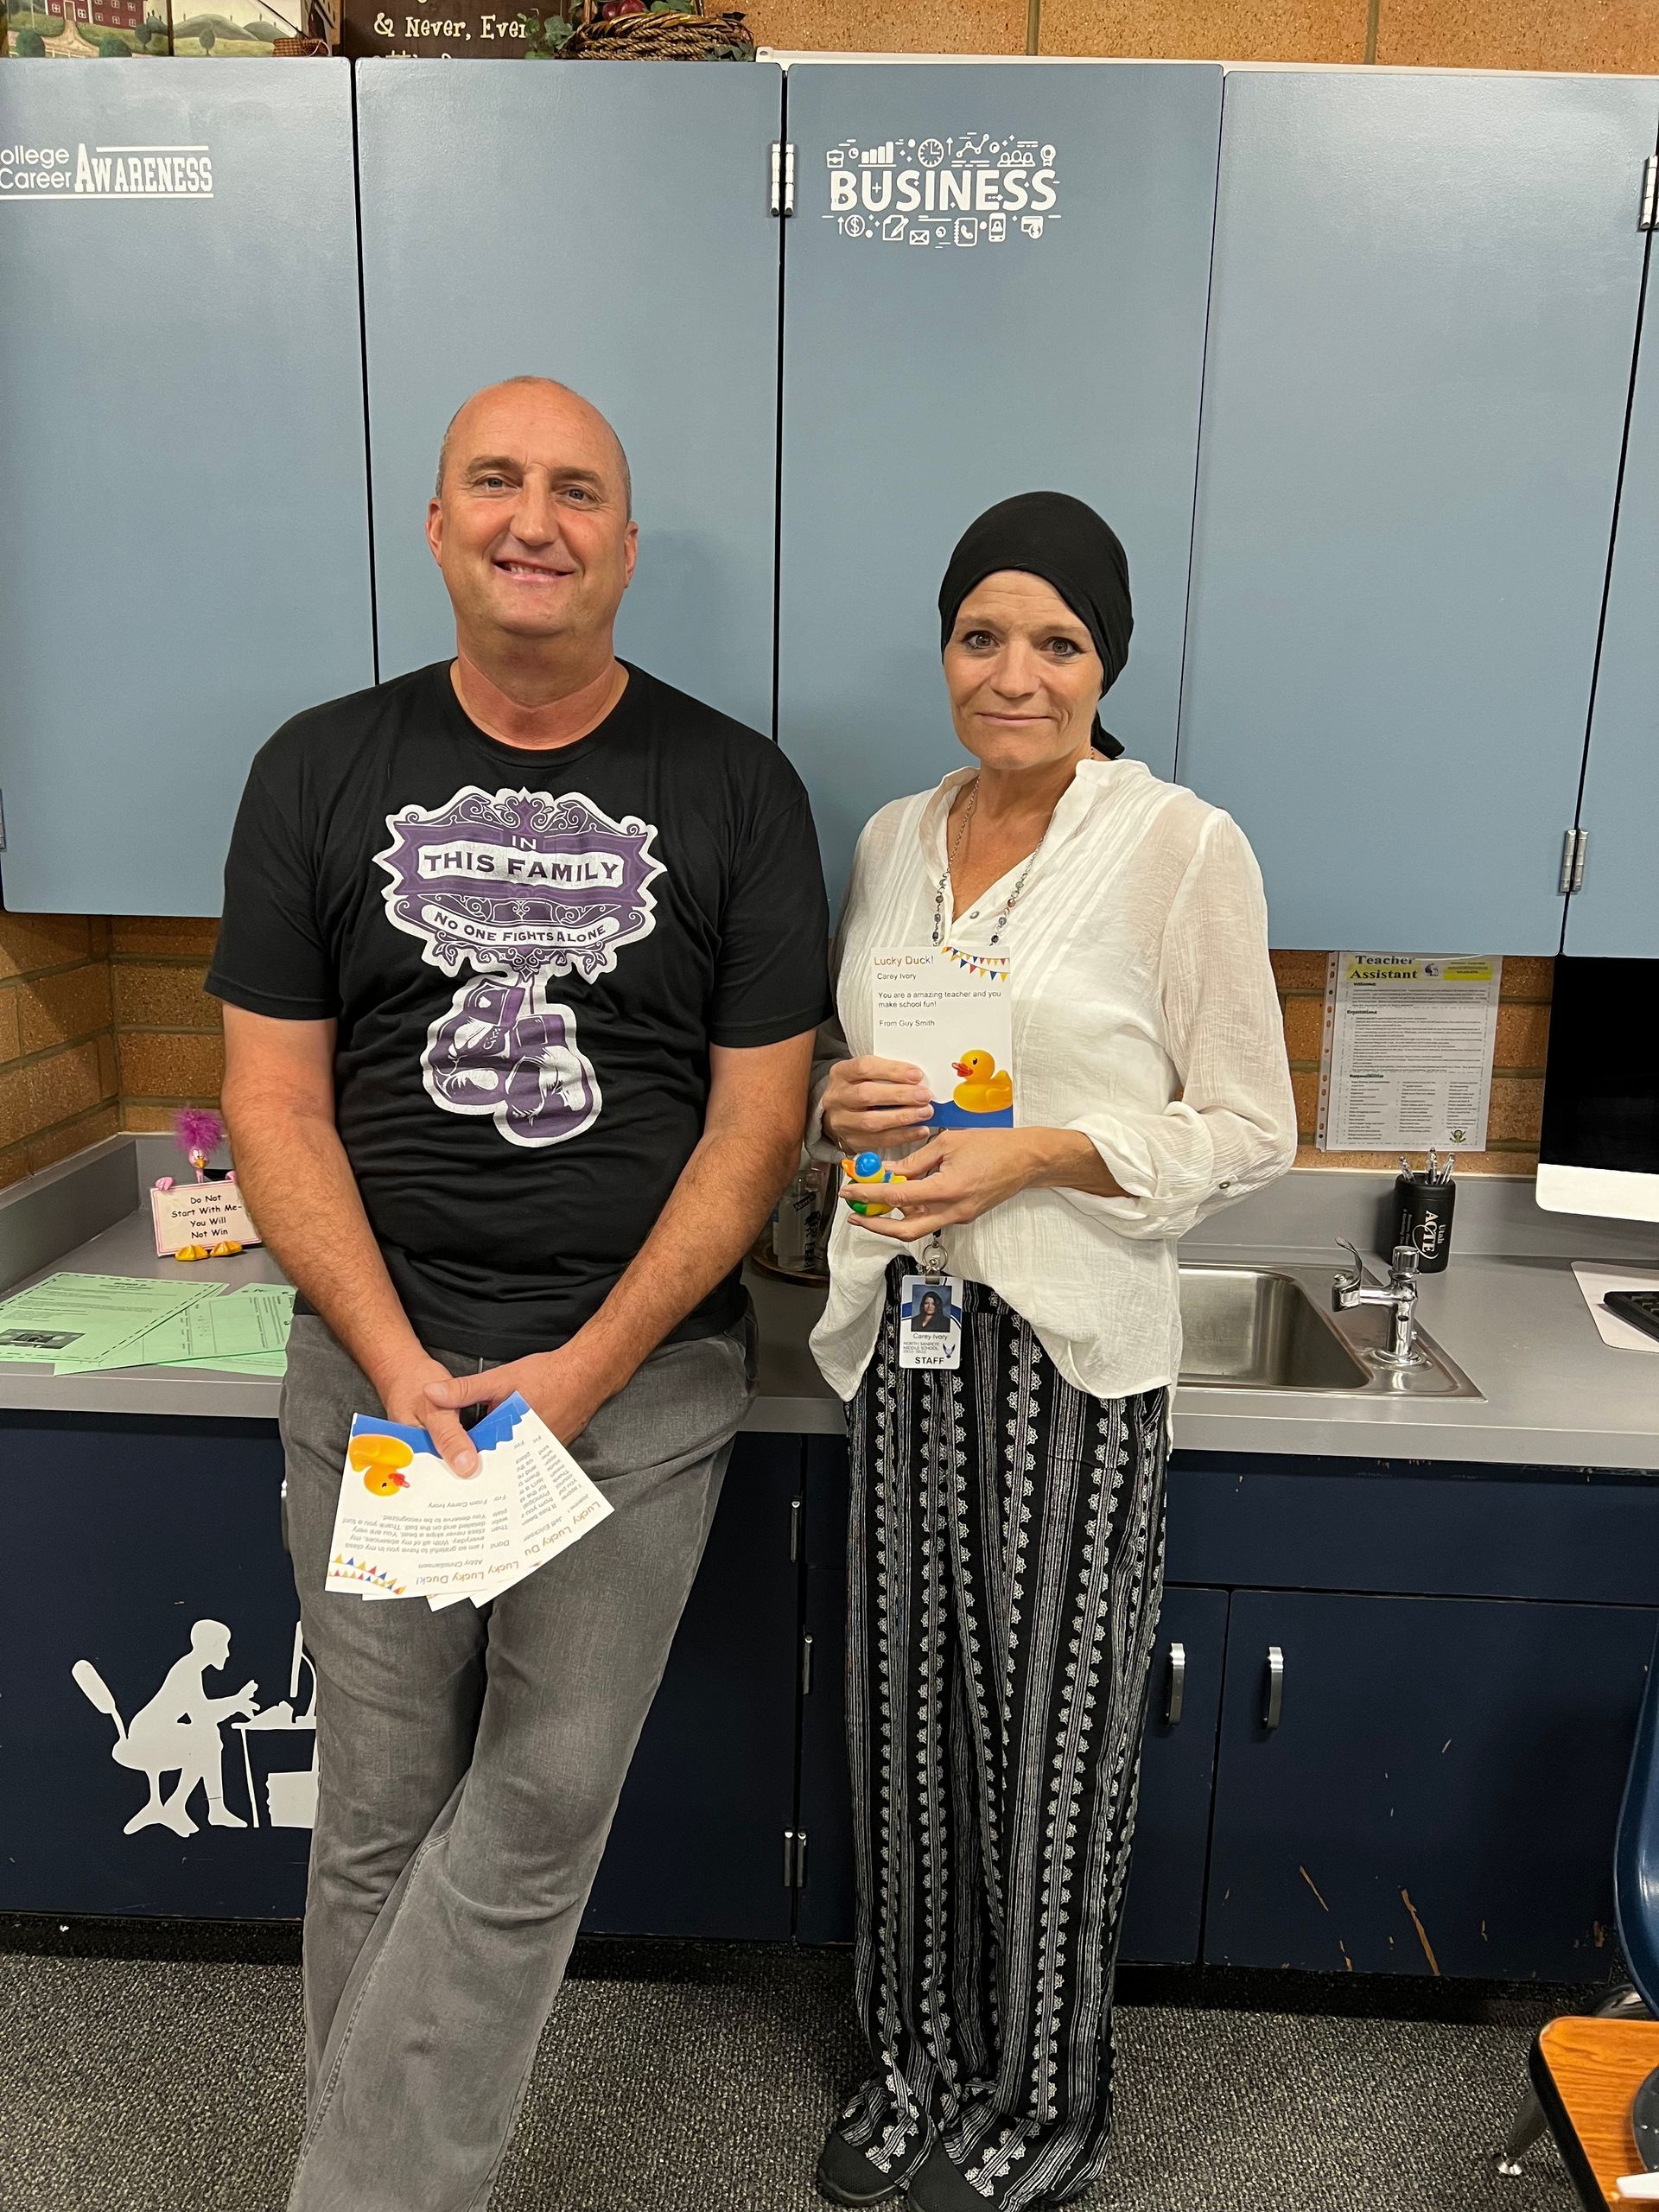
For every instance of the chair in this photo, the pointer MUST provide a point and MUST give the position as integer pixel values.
(1636, 1902)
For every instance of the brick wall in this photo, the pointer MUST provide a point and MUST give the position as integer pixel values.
(103, 1026)
(1593, 35)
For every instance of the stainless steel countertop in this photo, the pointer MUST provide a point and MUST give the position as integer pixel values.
(1513, 1320)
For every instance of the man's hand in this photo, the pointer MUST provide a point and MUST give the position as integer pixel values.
(406, 1393)
(561, 1386)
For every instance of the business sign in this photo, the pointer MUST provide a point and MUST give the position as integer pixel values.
(972, 189)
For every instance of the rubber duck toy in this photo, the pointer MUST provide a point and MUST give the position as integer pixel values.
(985, 1088)
(867, 1168)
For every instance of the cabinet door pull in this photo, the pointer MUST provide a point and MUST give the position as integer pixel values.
(1175, 1685)
(1272, 1711)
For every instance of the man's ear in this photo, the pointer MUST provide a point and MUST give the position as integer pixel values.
(434, 528)
(630, 553)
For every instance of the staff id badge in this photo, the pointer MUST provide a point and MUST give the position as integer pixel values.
(929, 1321)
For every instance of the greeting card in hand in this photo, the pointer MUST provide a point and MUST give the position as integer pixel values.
(948, 1012)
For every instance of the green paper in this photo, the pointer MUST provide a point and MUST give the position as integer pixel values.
(235, 1326)
(249, 1362)
(90, 1320)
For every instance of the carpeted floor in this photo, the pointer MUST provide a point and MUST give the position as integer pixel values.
(159, 2070)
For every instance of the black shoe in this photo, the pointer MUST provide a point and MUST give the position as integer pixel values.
(937, 2185)
(847, 2177)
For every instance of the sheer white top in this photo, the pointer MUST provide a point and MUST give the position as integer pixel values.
(1144, 1015)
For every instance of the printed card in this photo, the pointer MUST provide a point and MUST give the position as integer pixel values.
(930, 1322)
(200, 1213)
(950, 1013)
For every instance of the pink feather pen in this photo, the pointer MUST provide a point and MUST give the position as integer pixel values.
(200, 1133)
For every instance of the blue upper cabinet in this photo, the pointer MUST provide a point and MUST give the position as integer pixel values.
(181, 454)
(609, 226)
(1616, 912)
(1422, 321)
(994, 281)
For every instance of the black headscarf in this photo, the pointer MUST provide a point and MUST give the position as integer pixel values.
(1050, 535)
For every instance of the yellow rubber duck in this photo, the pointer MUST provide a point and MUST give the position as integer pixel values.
(381, 1460)
(985, 1088)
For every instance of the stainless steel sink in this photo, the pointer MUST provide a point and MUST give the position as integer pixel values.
(1269, 1328)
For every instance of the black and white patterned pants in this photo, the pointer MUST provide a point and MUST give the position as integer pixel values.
(1005, 1573)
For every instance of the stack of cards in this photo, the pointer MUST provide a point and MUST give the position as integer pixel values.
(407, 1527)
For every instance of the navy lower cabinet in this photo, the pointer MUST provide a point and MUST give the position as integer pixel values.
(696, 1849)
(1430, 1786)
(1163, 1916)
(147, 1589)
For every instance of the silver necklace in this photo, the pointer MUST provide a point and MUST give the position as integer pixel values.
(943, 884)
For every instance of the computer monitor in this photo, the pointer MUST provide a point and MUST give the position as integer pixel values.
(1599, 1148)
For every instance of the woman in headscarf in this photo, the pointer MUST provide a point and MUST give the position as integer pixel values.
(1007, 1541)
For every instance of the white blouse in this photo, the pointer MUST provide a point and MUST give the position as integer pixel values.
(1144, 1014)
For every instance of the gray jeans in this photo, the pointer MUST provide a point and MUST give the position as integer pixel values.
(470, 1763)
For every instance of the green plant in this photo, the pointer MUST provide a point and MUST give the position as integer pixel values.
(547, 36)
(114, 49)
(206, 38)
(30, 42)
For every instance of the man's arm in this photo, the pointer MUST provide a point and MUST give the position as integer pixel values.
(750, 1146)
(292, 1170)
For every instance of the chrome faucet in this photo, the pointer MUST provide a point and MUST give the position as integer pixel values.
(1399, 1295)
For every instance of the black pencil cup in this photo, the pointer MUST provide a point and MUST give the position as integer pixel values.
(1423, 1218)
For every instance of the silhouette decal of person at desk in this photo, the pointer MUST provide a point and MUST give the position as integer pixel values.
(177, 1732)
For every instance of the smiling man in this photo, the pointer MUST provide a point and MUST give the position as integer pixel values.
(521, 962)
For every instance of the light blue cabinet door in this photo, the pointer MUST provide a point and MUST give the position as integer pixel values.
(937, 358)
(181, 458)
(609, 226)
(1616, 914)
(1420, 327)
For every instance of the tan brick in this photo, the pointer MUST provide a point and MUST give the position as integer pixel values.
(10, 1043)
(1469, 1163)
(97, 936)
(1305, 1082)
(1300, 971)
(109, 1072)
(891, 26)
(163, 994)
(1518, 1109)
(1208, 30)
(1304, 1028)
(14, 1165)
(188, 935)
(1609, 35)
(1523, 1037)
(150, 1119)
(29, 942)
(55, 1009)
(157, 1064)
(1526, 977)
(54, 1145)
(35, 1095)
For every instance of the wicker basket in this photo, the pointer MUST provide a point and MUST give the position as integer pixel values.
(687, 35)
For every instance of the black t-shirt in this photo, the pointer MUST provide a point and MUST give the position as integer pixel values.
(529, 955)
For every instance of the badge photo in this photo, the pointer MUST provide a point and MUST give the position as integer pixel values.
(929, 1321)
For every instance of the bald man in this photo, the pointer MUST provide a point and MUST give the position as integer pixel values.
(522, 958)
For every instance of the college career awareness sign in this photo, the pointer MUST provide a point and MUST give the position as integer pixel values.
(42, 173)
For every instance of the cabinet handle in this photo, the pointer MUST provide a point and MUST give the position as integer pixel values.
(1272, 1711)
(1175, 1685)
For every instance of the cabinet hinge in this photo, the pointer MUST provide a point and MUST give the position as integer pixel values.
(1573, 843)
(806, 1663)
(783, 178)
(794, 1530)
(794, 1859)
(1649, 217)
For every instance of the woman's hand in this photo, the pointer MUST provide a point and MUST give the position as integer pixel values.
(869, 1101)
(965, 1173)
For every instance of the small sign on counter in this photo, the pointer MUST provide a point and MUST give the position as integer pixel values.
(1407, 1062)
(200, 1213)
